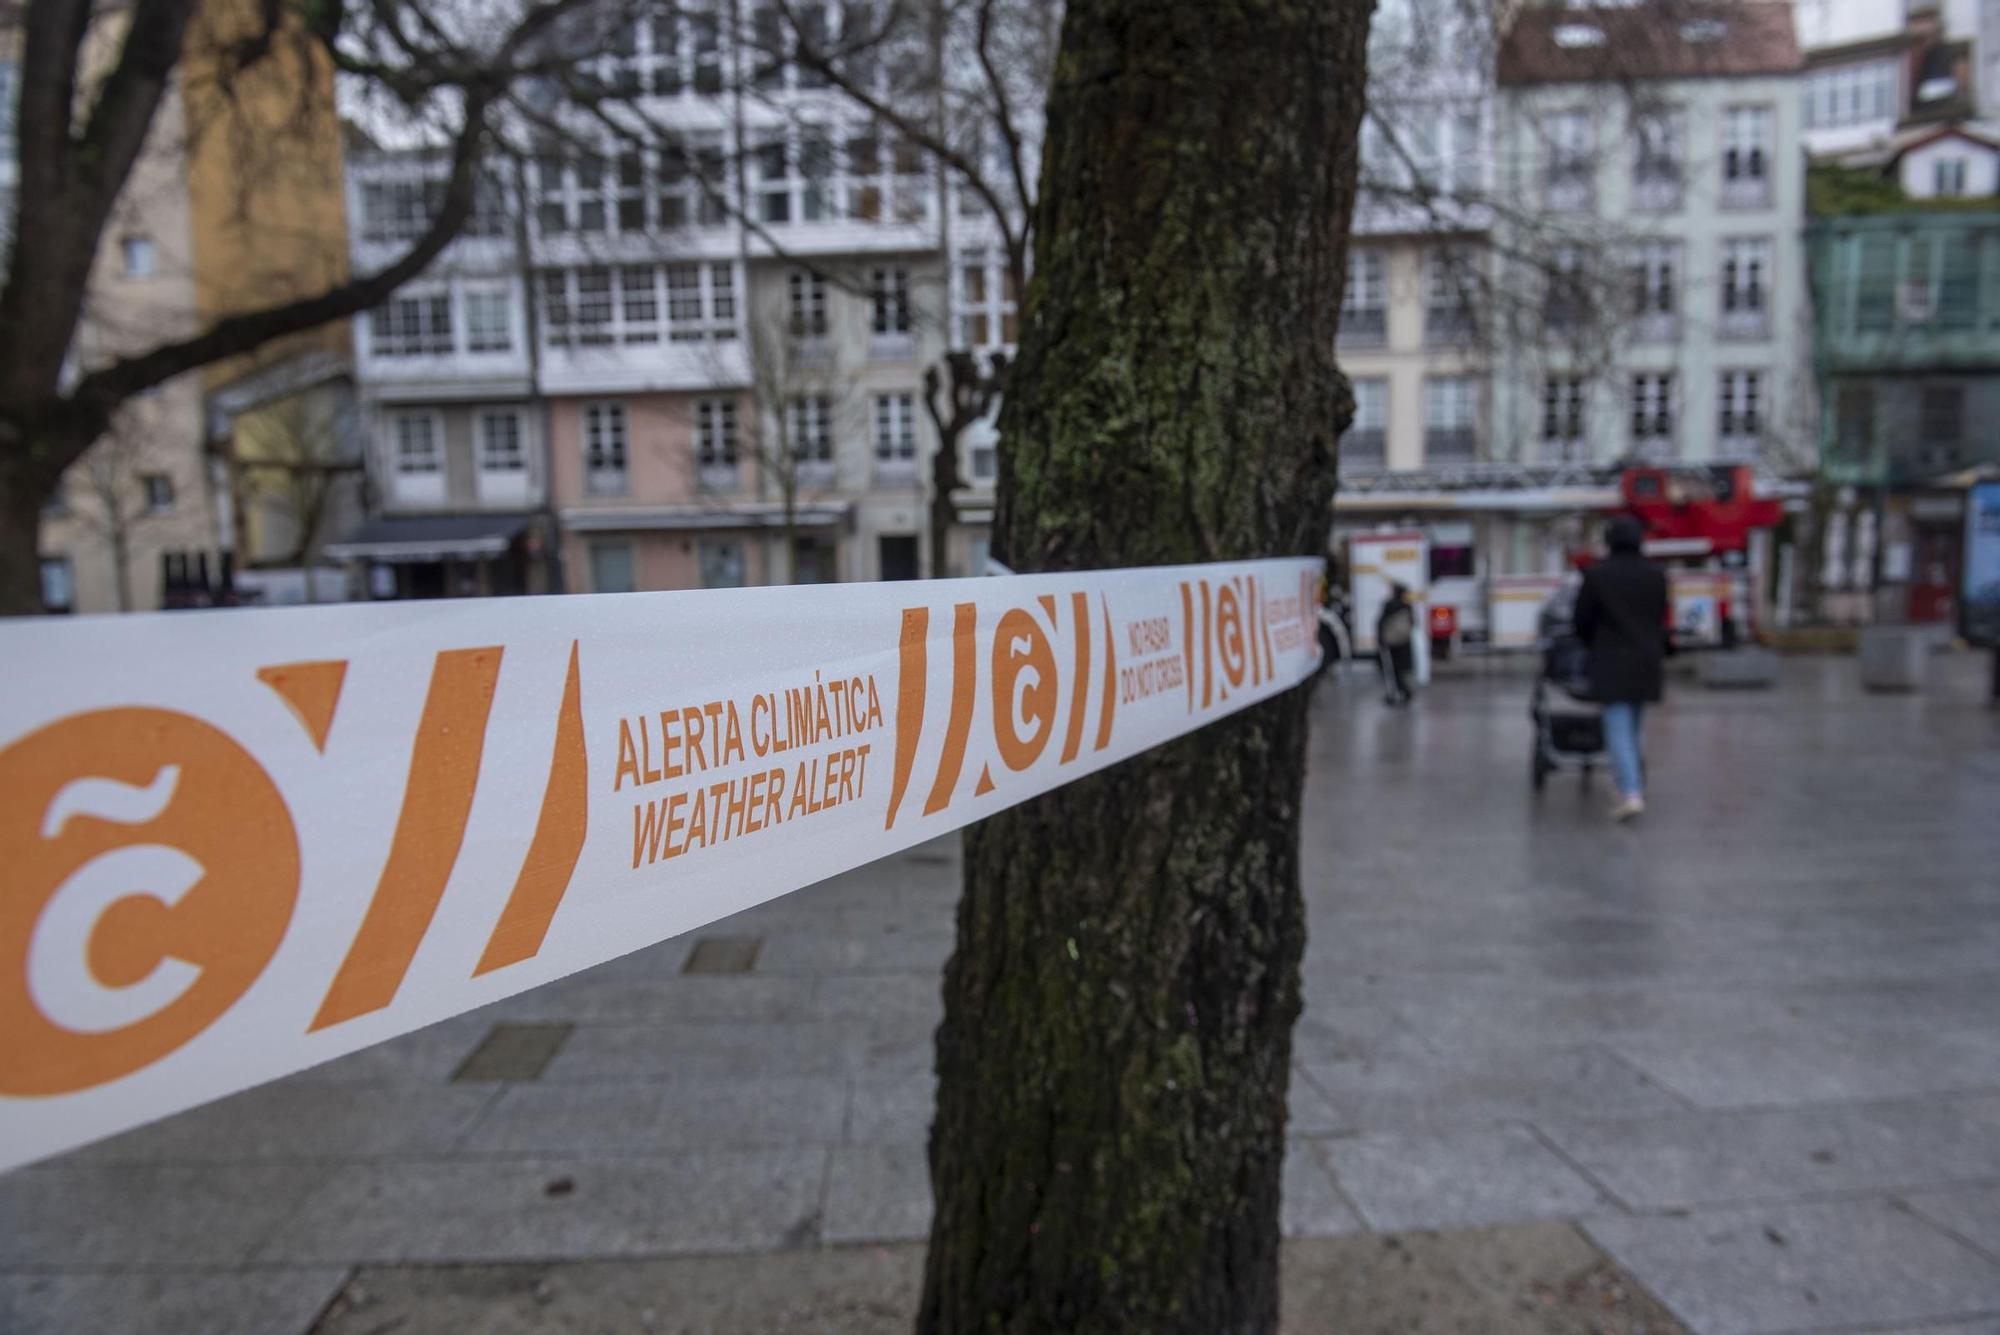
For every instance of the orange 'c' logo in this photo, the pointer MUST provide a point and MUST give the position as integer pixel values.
(1021, 649)
(153, 869)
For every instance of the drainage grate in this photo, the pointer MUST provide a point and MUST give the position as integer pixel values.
(513, 1052)
(723, 954)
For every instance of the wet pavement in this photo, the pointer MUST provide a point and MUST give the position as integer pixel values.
(1749, 1045)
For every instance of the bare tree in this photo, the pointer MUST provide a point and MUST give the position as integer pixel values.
(804, 404)
(93, 84)
(114, 482)
(300, 460)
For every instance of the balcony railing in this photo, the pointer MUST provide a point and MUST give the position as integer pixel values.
(1656, 192)
(1363, 448)
(1656, 327)
(607, 481)
(1739, 447)
(1746, 192)
(892, 347)
(1450, 445)
(1367, 327)
(895, 471)
(1743, 323)
(721, 477)
(814, 473)
(1568, 189)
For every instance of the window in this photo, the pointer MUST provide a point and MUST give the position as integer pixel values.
(1739, 409)
(500, 449)
(701, 301)
(1659, 138)
(1448, 279)
(691, 184)
(398, 210)
(1746, 156)
(159, 489)
(1468, 154)
(1943, 415)
(1565, 303)
(895, 434)
(604, 448)
(1365, 444)
(489, 320)
(1850, 94)
(1562, 411)
(807, 294)
(1854, 419)
(1948, 176)
(138, 254)
(1875, 289)
(889, 292)
(411, 327)
(811, 423)
(1655, 267)
(602, 305)
(666, 49)
(415, 436)
(774, 182)
(1364, 320)
(715, 433)
(1652, 411)
(58, 585)
(1450, 421)
(1746, 271)
(722, 563)
(988, 304)
(1570, 148)
(611, 567)
(571, 194)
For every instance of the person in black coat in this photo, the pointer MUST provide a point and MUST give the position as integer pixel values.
(1395, 637)
(1621, 615)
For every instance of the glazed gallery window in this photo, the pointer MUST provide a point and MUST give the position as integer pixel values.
(500, 448)
(895, 428)
(411, 327)
(417, 449)
(1563, 398)
(604, 448)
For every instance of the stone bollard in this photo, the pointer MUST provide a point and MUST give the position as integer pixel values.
(1892, 657)
(1746, 669)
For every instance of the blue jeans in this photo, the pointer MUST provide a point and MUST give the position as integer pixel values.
(1621, 738)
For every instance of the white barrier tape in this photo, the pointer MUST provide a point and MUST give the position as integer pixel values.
(237, 844)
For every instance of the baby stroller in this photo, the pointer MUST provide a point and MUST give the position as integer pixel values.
(1569, 728)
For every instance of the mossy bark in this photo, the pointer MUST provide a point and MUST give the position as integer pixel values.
(1113, 1060)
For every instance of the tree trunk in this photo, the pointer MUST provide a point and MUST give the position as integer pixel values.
(1116, 1044)
(21, 501)
(943, 508)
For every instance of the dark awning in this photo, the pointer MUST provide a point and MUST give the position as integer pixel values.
(429, 538)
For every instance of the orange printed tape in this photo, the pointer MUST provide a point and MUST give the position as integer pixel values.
(242, 843)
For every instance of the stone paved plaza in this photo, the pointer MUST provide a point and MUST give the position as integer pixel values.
(1750, 1047)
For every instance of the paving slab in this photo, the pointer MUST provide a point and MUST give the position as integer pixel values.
(480, 1210)
(663, 1116)
(1534, 1279)
(1972, 1213)
(891, 1108)
(1313, 1206)
(1836, 1264)
(739, 1051)
(306, 1121)
(877, 1193)
(248, 1302)
(1456, 1177)
(681, 997)
(111, 1215)
(1762, 1070)
(1721, 1158)
(1400, 1091)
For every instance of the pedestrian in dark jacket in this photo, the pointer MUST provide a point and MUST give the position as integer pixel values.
(1621, 615)
(1395, 633)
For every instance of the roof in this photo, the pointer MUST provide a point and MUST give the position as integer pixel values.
(1663, 39)
(412, 538)
(1919, 136)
